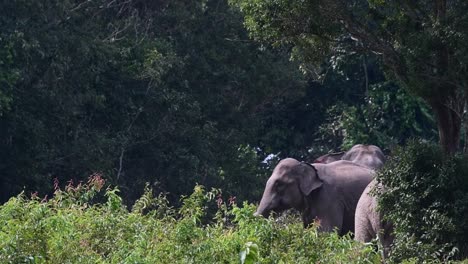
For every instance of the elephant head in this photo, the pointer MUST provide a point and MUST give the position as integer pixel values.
(286, 188)
(366, 155)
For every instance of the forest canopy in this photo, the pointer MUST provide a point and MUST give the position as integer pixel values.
(176, 93)
(420, 44)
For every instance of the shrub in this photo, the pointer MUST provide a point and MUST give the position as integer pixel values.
(426, 197)
(75, 227)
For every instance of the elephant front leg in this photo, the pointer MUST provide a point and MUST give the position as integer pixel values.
(309, 219)
(330, 223)
(327, 218)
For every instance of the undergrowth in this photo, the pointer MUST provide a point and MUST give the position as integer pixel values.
(87, 223)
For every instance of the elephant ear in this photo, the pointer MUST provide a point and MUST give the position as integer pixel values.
(308, 178)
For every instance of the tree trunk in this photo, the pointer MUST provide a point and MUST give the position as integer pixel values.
(447, 104)
(449, 121)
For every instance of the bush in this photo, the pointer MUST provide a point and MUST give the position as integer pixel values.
(73, 227)
(426, 197)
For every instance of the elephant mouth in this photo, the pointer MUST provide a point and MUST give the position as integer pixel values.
(263, 213)
(276, 210)
(281, 208)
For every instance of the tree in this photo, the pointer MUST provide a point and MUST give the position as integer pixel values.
(420, 43)
(351, 102)
(142, 91)
(72, 82)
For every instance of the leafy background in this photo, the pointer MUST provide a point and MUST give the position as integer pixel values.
(175, 93)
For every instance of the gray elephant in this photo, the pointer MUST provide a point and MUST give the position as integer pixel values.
(327, 193)
(369, 221)
(370, 156)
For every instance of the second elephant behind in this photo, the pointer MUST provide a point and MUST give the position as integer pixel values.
(369, 156)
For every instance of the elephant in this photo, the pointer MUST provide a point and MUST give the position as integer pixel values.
(326, 193)
(370, 156)
(369, 221)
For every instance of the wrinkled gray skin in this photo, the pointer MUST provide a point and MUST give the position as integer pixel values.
(369, 222)
(366, 155)
(327, 193)
(329, 158)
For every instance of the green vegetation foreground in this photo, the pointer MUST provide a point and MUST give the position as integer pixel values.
(70, 228)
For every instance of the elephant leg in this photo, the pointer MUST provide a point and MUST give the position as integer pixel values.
(367, 221)
(330, 218)
(363, 230)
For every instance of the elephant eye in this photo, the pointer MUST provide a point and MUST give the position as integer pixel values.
(279, 186)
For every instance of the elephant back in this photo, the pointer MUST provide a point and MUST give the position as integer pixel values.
(370, 156)
(345, 176)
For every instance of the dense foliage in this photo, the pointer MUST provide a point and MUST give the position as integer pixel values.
(426, 197)
(348, 102)
(73, 228)
(385, 116)
(168, 91)
(174, 93)
(420, 43)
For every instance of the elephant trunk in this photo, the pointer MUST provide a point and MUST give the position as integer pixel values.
(265, 206)
(262, 210)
